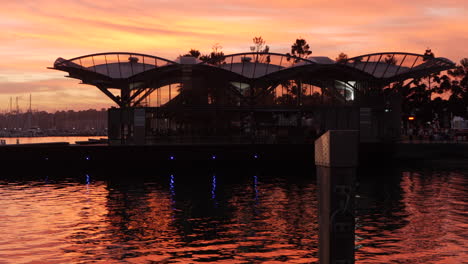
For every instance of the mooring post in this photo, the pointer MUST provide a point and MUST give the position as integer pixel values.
(336, 158)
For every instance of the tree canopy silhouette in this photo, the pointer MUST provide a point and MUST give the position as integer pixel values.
(299, 49)
(216, 56)
(437, 96)
(428, 54)
(342, 57)
(194, 53)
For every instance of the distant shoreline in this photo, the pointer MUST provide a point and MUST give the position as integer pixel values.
(57, 135)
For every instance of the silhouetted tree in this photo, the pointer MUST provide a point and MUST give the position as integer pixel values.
(260, 47)
(342, 57)
(418, 96)
(216, 55)
(299, 49)
(428, 54)
(461, 72)
(204, 58)
(194, 53)
(459, 89)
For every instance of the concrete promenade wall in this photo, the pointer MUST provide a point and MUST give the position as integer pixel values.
(370, 153)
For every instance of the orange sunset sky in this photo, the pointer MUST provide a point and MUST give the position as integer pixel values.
(35, 33)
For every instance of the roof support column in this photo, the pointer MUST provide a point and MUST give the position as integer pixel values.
(110, 95)
(125, 96)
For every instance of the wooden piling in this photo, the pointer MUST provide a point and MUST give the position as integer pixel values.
(336, 158)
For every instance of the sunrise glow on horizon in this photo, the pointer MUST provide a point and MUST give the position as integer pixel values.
(35, 33)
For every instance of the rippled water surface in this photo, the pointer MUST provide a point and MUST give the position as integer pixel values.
(403, 216)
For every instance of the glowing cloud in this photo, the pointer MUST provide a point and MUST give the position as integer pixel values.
(35, 33)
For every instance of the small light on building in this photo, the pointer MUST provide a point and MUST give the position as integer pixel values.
(411, 118)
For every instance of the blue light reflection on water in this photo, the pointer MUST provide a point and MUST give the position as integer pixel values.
(172, 192)
(410, 216)
(213, 191)
(172, 186)
(213, 187)
(255, 180)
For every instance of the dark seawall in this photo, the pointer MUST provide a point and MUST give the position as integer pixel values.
(269, 155)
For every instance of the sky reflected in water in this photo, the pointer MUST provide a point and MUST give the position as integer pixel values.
(407, 216)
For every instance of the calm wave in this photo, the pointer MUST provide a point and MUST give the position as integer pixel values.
(406, 217)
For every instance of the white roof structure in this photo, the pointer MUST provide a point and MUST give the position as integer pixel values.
(139, 74)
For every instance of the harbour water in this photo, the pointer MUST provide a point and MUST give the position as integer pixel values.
(409, 215)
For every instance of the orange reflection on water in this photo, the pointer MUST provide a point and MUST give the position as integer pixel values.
(140, 224)
(430, 228)
(38, 220)
(278, 226)
(420, 218)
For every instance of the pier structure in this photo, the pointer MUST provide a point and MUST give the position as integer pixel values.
(249, 97)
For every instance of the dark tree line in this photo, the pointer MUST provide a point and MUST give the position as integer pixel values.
(437, 96)
(215, 57)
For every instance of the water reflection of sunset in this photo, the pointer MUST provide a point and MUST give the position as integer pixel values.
(410, 217)
(432, 214)
(41, 219)
(280, 225)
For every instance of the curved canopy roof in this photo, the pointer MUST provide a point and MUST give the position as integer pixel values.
(138, 74)
(115, 65)
(257, 64)
(123, 65)
(393, 66)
